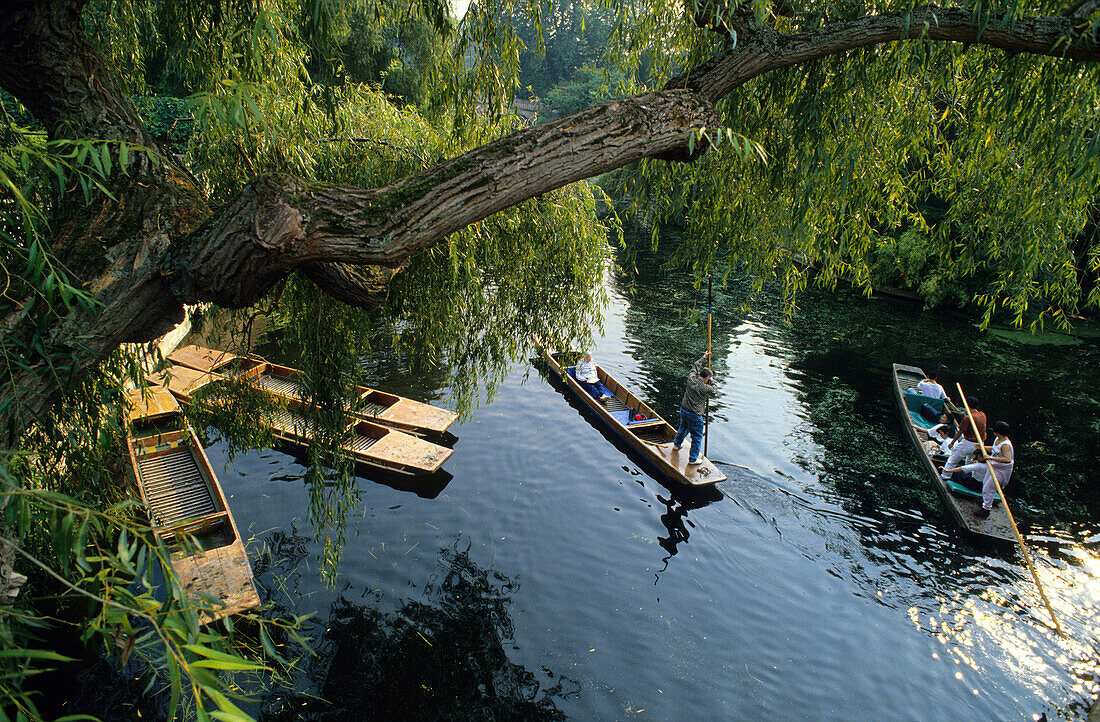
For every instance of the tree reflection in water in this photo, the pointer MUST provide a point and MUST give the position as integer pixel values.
(439, 659)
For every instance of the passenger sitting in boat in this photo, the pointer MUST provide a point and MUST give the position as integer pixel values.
(943, 433)
(700, 387)
(930, 387)
(965, 442)
(976, 476)
(589, 378)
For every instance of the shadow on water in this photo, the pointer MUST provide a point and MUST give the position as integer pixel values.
(444, 658)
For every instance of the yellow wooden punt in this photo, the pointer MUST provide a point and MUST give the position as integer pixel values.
(186, 505)
(402, 413)
(368, 443)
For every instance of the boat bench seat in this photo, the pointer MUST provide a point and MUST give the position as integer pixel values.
(626, 418)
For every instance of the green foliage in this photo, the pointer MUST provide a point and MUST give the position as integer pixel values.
(399, 47)
(327, 340)
(501, 286)
(993, 164)
(167, 119)
(587, 87)
(235, 409)
(565, 39)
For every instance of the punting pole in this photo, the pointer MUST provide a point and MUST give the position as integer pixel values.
(710, 314)
(1001, 494)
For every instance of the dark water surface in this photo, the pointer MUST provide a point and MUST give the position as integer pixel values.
(823, 580)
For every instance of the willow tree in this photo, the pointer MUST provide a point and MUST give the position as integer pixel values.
(150, 239)
(331, 190)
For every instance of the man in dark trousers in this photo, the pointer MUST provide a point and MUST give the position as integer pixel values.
(700, 387)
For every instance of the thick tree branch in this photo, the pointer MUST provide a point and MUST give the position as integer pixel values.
(158, 247)
(765, 51)
(280, 223)
(362, 286)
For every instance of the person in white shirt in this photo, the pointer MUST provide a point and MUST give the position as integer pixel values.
(589, 379)
(931, 388)
(943, 433)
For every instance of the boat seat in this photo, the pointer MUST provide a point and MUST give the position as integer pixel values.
(625, 416)
(646, 423)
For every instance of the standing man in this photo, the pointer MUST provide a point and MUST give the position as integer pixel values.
(965, 447)
(700, 387)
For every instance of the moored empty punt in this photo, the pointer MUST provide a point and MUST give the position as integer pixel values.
(368, 443)
(651, 436)
(186, 506)
(370, 404)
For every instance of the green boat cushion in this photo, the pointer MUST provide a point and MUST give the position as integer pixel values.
(913, 402)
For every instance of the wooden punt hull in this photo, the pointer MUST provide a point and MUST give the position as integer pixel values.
(182, 381)
(414, 417)
(651, 438)
(369, 444)
(962, 508)
(186, 505)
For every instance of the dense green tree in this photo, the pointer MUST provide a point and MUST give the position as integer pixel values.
(832, 126)
(565, 37)
(400, 51)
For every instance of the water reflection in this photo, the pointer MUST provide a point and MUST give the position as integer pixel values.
(665, 327)
(446, 657)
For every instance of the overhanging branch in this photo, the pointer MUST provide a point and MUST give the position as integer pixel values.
(766, 51)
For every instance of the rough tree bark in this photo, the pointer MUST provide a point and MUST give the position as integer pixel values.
(160, 246)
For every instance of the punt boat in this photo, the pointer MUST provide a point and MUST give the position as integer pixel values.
(960, 501)
(414, 417)
(182, 381)
(368, 443)
(186, 506)
(651, 436)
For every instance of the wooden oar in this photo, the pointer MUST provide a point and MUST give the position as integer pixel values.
(1001, 494)
(710, 314)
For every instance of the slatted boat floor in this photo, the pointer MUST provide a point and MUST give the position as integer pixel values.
(371, 409)
(278, 385)
(361, 443)
(175, 487)
(614, 404)
(653, 436)
(292, 423)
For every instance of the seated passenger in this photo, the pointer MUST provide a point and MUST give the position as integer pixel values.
(589, 379)
(943, 433)
(931, 388)
(976, 476)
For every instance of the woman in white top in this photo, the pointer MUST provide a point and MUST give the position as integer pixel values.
(1001, 458)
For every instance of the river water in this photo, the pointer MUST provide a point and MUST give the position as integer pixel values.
(553, 577)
